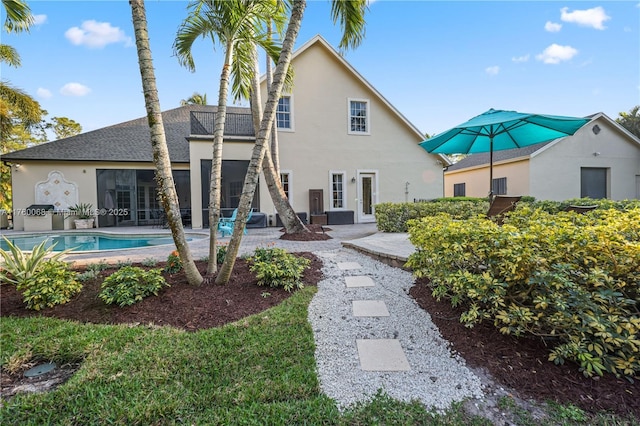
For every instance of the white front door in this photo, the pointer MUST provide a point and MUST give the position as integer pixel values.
(367, 196)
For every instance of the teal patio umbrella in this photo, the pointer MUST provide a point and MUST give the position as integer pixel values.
(497, 130)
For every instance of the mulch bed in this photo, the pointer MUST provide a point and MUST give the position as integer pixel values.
(522, 363)
(317, 233)
(181, 305)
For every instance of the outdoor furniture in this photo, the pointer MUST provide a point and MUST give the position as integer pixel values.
(580, 209)
(227, 224)
(500, 205)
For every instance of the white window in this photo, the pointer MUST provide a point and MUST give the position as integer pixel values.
(285, 180)
(359, 117)
(338, 190)
(284, 113)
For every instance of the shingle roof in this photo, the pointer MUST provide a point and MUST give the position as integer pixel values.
(128, 141)
(508, 154)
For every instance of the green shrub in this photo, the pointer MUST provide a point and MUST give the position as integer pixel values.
(131, 284)
(98, 266)
(277, 268)
(571, 279)
(87, 275)
(393, 217)
(221, 254)
(19, 267)
(174, 264)
(149, 262)
(52, 284)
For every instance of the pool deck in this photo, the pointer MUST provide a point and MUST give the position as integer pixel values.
(393, 249)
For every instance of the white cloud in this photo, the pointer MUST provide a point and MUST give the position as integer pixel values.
(523, 58)
(494, 70)
(95, 34)
(74, 89)
(39, 19)
(43, 93)
(555, 54)
(594, 17)
(552, 27)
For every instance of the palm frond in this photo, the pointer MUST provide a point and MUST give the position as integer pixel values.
(351, 14)
(9, 56)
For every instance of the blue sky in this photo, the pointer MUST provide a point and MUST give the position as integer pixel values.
(439, 63)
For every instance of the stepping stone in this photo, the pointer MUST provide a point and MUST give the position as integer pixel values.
(349, 265)
(381, 355)
(359, 281)
(370, 308)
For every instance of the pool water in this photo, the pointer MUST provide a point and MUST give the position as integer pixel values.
(87, 241)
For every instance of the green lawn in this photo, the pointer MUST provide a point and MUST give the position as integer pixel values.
(257, 371)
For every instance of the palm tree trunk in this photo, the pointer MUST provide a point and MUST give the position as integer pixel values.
(216, 162)
(275, 150)
(259, 149)
(161, 159)
(290, 219)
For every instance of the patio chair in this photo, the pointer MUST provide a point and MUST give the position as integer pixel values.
(580, 209)
(227, 224)
(501, 205)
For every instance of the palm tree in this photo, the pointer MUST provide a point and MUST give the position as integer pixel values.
(195, 99)
(161, 159)
(15, 103)
(351, 17)
(236, 25)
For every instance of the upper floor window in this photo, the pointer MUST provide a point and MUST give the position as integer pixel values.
(284, 113)
(359, 116)
(459, 189)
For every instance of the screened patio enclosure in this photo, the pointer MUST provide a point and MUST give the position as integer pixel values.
(129, 197)
(233, 174)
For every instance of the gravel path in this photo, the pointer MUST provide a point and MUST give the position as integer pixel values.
(437, 376)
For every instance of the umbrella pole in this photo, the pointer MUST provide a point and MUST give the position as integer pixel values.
(491, 169)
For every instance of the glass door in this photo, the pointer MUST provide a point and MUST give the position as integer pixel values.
(367, 197)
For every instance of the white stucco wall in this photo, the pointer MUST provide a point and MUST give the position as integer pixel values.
(555, 172)
(321, 143)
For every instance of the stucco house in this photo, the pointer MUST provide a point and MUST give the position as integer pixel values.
(601, 160)
(343, 149)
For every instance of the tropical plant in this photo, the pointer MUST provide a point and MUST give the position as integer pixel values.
(162, 162)
(64, 127)
(351, 17)
(173, 264)
(195, 99)
(82, 211)
(18, 111)
(235, 24)
(52, 284)
(277, 268)
(19, 267)
(130, 285)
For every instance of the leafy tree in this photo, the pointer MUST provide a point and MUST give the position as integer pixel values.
(195, 99)
(631, 120)
(164, 178)
(351, 17)
(19, 112)
(64, 127)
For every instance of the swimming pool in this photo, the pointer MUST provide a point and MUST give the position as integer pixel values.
(90, 241)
